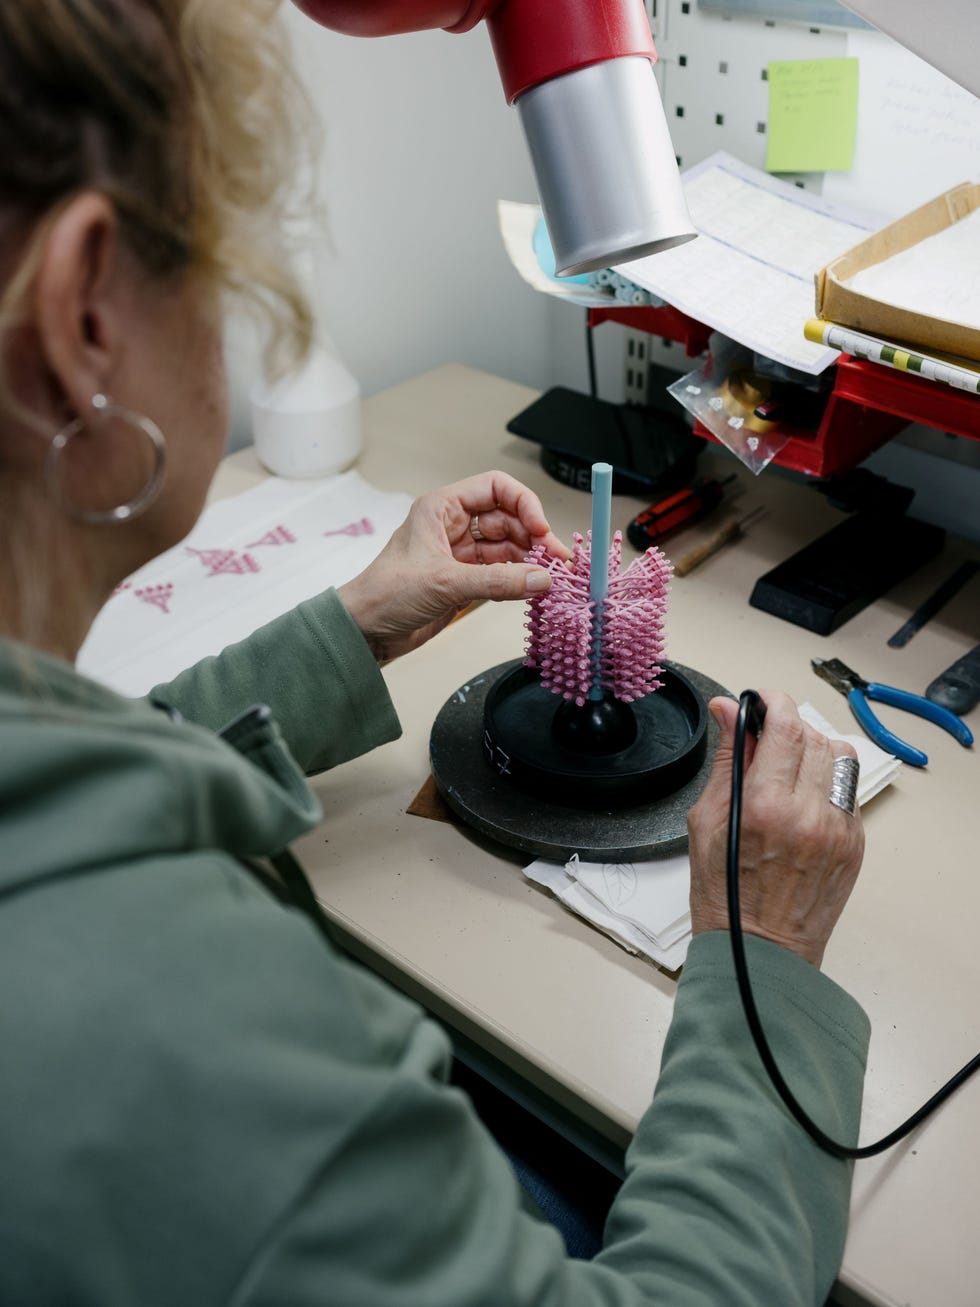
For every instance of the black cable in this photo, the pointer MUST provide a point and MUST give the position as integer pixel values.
(590, 355)
(751, 711)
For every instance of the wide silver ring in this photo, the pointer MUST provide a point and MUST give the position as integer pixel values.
(844, 784)
(475, 531)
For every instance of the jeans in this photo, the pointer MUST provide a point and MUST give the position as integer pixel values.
(573, 1191)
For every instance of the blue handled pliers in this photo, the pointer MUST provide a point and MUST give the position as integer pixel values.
(858, 692)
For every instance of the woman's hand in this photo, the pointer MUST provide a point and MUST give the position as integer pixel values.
(439, 560)
(800, 855)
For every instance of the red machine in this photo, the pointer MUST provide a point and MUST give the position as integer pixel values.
(581, 75)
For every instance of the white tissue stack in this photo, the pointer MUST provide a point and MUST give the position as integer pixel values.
(643, 906)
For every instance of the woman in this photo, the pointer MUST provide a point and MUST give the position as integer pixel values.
(202, 1102)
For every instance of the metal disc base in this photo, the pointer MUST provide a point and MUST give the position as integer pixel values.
(509, 813)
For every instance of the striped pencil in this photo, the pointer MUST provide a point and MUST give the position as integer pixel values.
(960, 375)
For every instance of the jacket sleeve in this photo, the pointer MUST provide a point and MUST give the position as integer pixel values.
(313, 668)
(727, 1203)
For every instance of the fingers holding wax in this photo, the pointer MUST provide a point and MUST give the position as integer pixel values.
(799, 856)
(461, 543)
(509, 520)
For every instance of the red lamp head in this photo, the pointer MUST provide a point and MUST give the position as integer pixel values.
(581, 75)
(389, 17)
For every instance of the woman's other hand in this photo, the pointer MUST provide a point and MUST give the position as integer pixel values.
(800, 855)
(458, 544)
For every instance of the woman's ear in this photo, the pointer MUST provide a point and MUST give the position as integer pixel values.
(80, 301)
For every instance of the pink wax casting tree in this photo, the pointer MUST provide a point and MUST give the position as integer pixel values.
(566, 626)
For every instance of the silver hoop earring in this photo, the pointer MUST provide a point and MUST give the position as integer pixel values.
(105, 409)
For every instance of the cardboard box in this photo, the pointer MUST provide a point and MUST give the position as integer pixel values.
(838, 303)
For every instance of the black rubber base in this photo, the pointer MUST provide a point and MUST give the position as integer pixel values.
(508, 814)
(603, 755)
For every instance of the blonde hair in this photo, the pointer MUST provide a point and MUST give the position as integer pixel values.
(185, 114)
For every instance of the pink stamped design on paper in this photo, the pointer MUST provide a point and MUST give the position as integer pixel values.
(158, 595)
(365, 527)
(279, 535)
(225, 562)
(126, 585)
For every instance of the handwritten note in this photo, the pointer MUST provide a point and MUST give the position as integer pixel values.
(918, 132)
(946, 37)
(812, 115)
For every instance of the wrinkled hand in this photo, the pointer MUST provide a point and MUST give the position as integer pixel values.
(432, 566)
(800, 855)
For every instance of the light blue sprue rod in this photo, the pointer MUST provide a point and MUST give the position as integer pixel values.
(599, 563)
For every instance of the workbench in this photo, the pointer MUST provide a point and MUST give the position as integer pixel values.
(567, 1016)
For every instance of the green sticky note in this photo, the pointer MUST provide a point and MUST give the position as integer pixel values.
(812, 115)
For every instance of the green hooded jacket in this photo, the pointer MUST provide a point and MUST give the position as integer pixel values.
(203, 1104)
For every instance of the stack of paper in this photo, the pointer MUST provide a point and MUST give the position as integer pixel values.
(878, 768)
(643, 906)
(938, 277)
(750, 273)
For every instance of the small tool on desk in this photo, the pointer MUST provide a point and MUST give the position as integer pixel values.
(958, 688)
(925, 612)
(858, 691)
(730, 531)
(668, 516)
(824, 584)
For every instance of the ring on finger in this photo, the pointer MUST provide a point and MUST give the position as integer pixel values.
(475, 531)
(843, 785)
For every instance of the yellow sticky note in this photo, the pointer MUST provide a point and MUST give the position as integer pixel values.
(812, 115)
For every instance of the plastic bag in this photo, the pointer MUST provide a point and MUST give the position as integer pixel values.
(723, 394)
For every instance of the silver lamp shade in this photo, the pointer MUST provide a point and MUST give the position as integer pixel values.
(605, 165)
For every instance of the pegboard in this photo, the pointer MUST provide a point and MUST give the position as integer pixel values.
(713, 77)
(712, 74)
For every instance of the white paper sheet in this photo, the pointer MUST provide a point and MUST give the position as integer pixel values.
(940, 276)
(518, 223)
(249, 559)
(750, 273)
(918, 132)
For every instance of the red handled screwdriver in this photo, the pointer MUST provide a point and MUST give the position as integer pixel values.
(656, 523)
